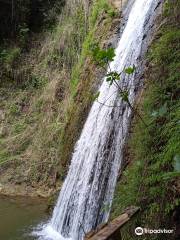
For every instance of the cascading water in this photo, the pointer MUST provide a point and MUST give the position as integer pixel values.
(86, 195)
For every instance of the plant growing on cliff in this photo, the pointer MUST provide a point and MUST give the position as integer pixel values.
(103, 57)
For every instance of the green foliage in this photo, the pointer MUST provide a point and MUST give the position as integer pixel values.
(36, 82)
(162, 111)
(99, 7)
(112, 13)
(102, 56)
(9, 56)
(19, 127)
(83, 78)
(90, 46)
(14, 15)
(51, 11)
(127, 191)
(167, 55)
(130, 70)
(67, 40)
(23, 33)
(167, 8)
(125, 95)
(112, 76)
(14, 109)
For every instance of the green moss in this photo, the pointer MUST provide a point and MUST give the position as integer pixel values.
(99, 8)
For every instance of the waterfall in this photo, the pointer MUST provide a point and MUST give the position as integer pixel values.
(86, 195)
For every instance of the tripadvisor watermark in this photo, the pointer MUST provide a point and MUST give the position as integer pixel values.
(140, 231)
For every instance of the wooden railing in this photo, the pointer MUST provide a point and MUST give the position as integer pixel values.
(112, 230)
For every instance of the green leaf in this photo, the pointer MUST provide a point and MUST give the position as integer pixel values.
(108, 79)
(112, 76)
(125, 96)
(130, 70)
(101, 56)
(110, 54)
(115, 75)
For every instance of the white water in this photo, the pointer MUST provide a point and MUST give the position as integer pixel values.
(87, 192)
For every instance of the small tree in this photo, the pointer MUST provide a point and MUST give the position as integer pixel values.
(103, 58)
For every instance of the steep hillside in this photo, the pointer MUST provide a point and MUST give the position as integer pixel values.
(46, 87)
(152, 178)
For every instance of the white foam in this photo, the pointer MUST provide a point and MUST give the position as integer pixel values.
(47, 232)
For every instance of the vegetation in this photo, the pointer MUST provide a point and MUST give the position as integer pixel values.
(84, 78)
(151, 179)
(18, 16)
(103, 57)
(46, 88)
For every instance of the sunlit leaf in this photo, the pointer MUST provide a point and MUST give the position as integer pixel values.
(130, 70)
(110, 53)
(102, 56)
(112, 76)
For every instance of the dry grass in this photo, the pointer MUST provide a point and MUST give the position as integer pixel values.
(46, 109)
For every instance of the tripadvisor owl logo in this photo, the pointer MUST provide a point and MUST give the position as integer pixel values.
(140, 231)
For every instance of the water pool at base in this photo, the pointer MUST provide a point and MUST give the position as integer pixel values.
(18, 217)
